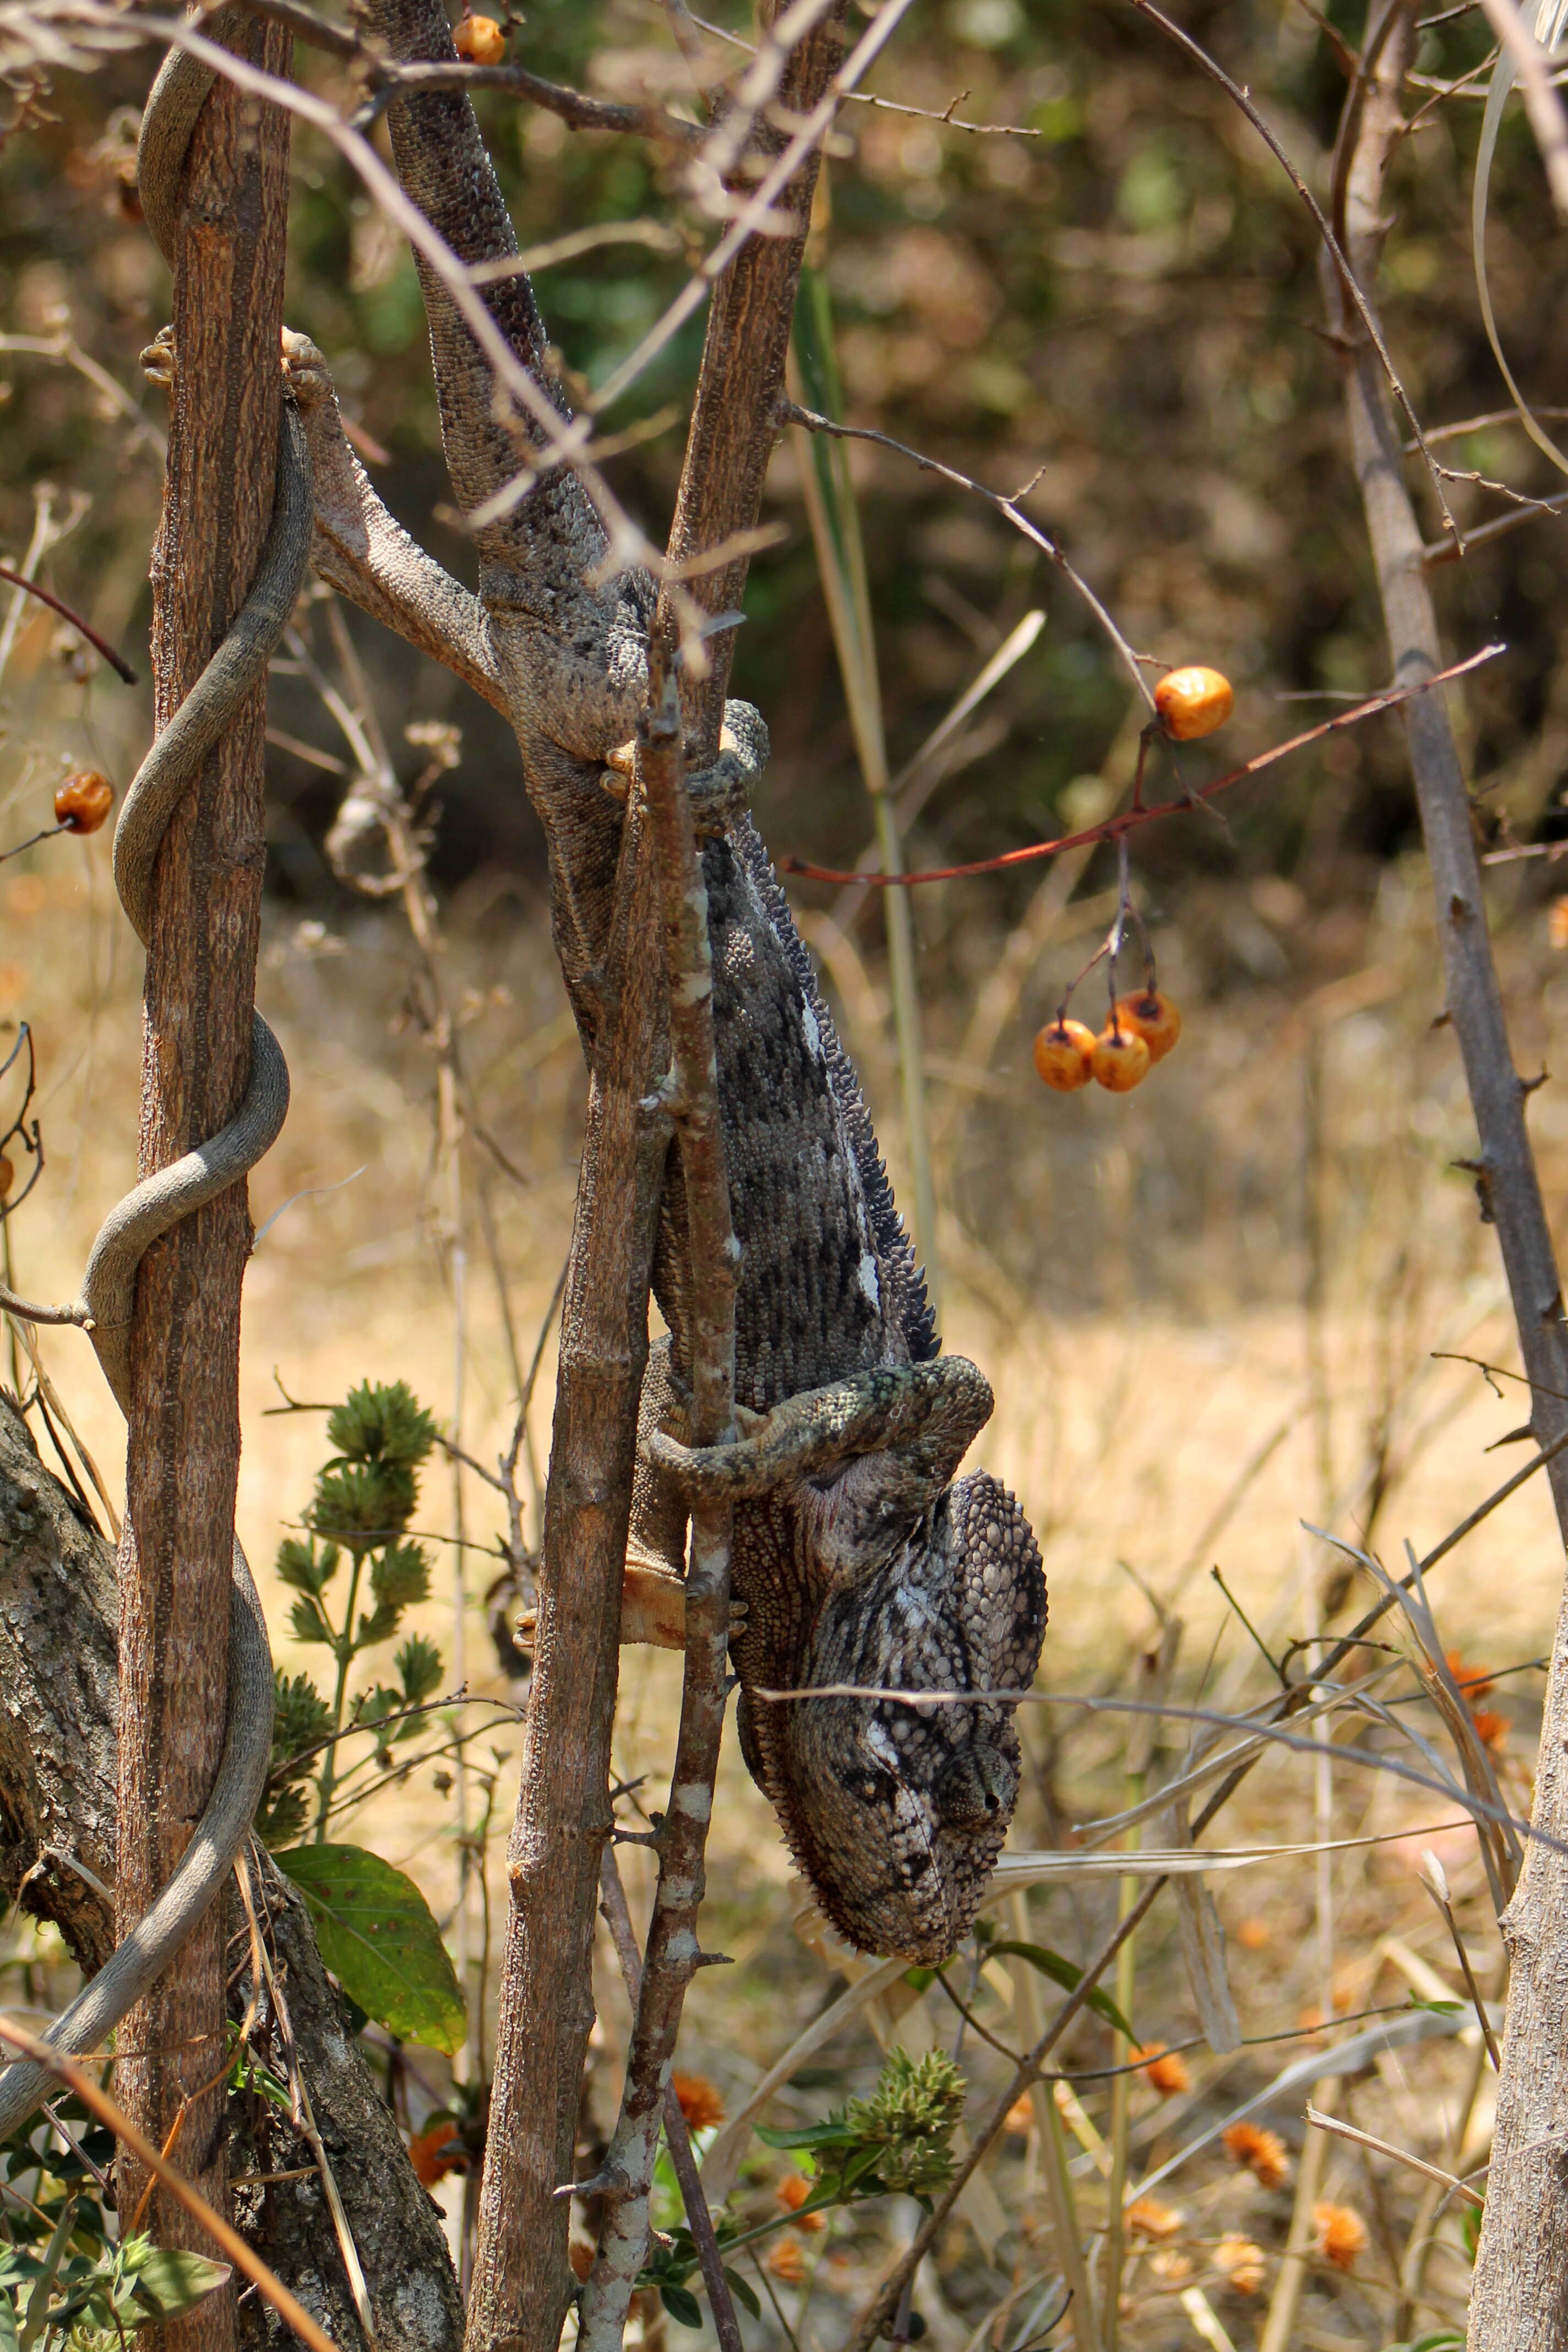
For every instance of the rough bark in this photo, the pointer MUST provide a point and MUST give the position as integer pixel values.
(1521, 2296)
(184, 1433)
(522, 2281)
(58, 1698)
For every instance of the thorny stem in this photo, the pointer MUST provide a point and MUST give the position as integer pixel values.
(677, 2134)
(522, 2284)
(673, 1952)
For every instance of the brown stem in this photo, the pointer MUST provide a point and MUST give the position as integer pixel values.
(1521, 2293)
(183, 1422)
(673, 1954)
(522, 2282)
(116, 662)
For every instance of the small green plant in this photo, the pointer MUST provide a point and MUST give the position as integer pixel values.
(375, 1928)
(66, 2284)
(897, 2142)
(365, 1497)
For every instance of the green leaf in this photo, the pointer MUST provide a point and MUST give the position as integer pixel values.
(38, 2312)
(400, 1576)
(378, 1939)
(743, 2291)
(419, 1669)
(1069, 1977)
(681, 2305)
(304, 1569)
(168, 2283)
(306, 1623)
(8, 2336)
(363, 1503)
(828, 2134)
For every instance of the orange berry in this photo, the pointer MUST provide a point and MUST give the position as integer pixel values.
(481, 40)
(1121, 1060)
(1193, 702)
(83, 801)
(7, 1175)
(1152, 1017)
(1063, 1050)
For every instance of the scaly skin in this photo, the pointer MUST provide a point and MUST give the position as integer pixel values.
(856, 1557)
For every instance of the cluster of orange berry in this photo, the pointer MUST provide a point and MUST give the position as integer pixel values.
(1142, 1030)
(479, 39)
(1189, 703)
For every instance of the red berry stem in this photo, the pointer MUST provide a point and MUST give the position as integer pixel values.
(100, 645)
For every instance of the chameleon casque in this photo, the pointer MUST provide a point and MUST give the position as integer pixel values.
(857, 1559)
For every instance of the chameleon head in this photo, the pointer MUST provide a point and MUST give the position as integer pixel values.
(898, 1809)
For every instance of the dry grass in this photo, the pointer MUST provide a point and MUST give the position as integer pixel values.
(1209, 1312)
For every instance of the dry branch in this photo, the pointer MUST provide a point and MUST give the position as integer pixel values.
(522, 2282)
(1522, 2276)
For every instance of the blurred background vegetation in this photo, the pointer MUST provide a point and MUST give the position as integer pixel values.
(1209, 1310)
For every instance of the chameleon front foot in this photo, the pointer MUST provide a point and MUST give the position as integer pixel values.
(720, 791)
(653, 1610)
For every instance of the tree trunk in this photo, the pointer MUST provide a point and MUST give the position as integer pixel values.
(184, 1433)
(1520, 2301)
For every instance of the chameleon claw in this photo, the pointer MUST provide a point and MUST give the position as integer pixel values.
(158, 359)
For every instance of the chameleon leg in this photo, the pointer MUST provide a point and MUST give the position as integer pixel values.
(929, 1412)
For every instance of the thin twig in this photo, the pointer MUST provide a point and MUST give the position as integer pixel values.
(1400, 2154)
(1345, 274)
(116, 662)
(1115, 827)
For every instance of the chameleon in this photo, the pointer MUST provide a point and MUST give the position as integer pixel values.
(859, 1556)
